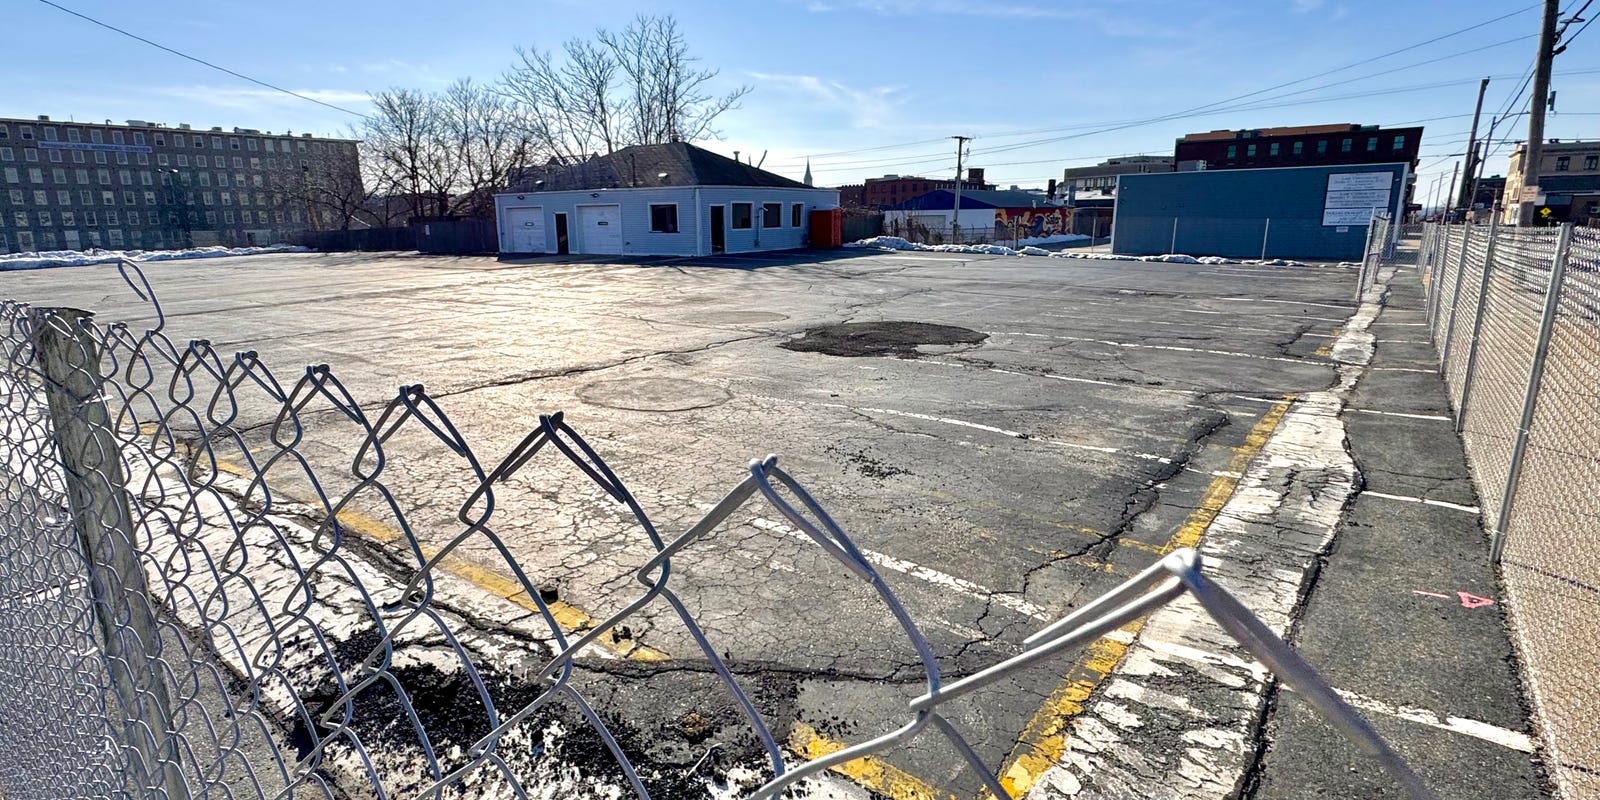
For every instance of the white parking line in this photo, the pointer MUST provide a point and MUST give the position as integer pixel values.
(1422, 716)
(1439, 417)
(1346, 307)
(1423, 500)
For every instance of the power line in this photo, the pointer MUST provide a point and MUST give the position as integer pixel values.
(201, 61)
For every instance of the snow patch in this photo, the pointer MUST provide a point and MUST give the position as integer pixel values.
(81, 258)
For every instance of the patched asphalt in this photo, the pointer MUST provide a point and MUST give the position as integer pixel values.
(1009, 438)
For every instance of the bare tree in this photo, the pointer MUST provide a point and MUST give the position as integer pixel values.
(486, 143)
(335, 188)
(636, 86)
(400, 136)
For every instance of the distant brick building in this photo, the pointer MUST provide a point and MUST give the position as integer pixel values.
(1307, 146)
(75, 185)
(1102, 177)
(895, 189)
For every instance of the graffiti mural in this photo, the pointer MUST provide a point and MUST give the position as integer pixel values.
(1031, 222)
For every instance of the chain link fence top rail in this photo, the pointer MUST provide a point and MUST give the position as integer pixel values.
(174, 624)
(1514, 352)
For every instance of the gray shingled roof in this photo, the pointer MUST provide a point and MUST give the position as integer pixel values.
(643, 166)
(944, 199)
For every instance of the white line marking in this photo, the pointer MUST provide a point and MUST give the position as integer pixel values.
(928, 574)
(1113, 343)
(1439, 417)
(1423, 500)
(1289, 302)
(1466, 727)
(1405, 369)
(1067, 378)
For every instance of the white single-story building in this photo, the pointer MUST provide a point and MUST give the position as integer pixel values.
(663, 199)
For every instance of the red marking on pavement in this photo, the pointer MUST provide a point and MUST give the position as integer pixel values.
(1429, 594)
(1473, 601)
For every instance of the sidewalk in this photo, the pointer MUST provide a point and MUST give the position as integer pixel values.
(1404, 616)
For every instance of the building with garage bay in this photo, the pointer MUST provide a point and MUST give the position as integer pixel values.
(671, 199)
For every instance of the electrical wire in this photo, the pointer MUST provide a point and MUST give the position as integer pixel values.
(201, 61)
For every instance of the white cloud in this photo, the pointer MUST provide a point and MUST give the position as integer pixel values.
(240, 97)
(868, 107)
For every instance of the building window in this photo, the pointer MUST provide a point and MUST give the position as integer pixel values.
(1563, 163)
(26, 131)
(11, 175)
(1233, 151)
(161, 159)
(796, 214)
(90, 219)
(161, 140)
(250, 144)
(58, 175)
(55, 156)
(108, 198)
(74, 135)
(21, 218)
(183, 160)
(44, 219)
(30, 154)
(1372, 143)
(663, 218)
(36, 175)
(1272, 149)
(1344, 146)
(116, 137)
(1250, 151)
(138, 138)
(97, 136)
(200, 161)
(133, 218)
(99, 157)
(741, 216)
(49, 134)
(6, 154)
(64, 197)
(77, 157)
(177, 140)
(103, 176)
(111, 218)
(69, 219)
(1591, 162)
(771, 215)
(41, 197)
(1399, 143)
(233, 143)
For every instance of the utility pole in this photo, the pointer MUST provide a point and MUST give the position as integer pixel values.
(1450, 195)
(1469, 186)
(1536, 106)
(961, 146)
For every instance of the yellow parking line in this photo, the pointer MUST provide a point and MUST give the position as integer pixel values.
(869, 771)
(1044, 741)
(572, 619)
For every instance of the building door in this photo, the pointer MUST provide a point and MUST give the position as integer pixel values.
(600, 230)
(524, 228)
(562, 245)
(719, 234)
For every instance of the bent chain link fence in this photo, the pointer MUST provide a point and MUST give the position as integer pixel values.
(177, 623)
(1515, 316)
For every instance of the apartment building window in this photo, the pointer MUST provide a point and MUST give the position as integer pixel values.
(108, 198)
(97, 136)
(1272, 149)
(238, 163)
(41, 197)
(1399, 142)
(183, 160)
(238, 179)
(64, 197)
(250, 144)
(114, 236)
(21, 218)
(77, 157)
(6, 154)
(222, 179)
(143, 159)
(44, 219)
(216, 143)
(227, 217)
(111, 218)
(1372, 143)
(255, 163)
(26, 132)
(99, 157)
(207, 198)
(149, 198)
(200, 161)
(1591, 162)
(49, 134)
(74, 135)
(144, 177)
(1344, 146)
(133, 218)
(301, 146)
(233, 144)
(138, 138)
(161, 140)
(103, 176)
(58, 175)
(47, 240)
(11, 175)
(177, 140)
(116, 137)
(205, 179)
(30, 154)
(1233, 151)
(17, 197)
(35, 175)
(1563, 163)
(227, 198)
(211, 217)
(255, 180)
(125, 177)
(69, 219)
(25, 240)
(1250, 151)
(161, 159)
(5, 132)
(85, 197)
(129, 197)
(244, 198)
(55, 156)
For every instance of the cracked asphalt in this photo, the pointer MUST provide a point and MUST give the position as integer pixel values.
(996, 483)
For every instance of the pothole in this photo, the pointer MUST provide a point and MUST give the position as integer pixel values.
(854, 339)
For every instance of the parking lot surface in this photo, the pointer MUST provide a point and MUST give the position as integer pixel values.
(1004, 438)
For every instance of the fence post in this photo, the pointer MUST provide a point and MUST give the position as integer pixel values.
(1455, 301)
(1436, 297)
(1174, 247)
(1366, 253)
(1530, 401)
(1477, 325)
(1265, 230)
(91, 461)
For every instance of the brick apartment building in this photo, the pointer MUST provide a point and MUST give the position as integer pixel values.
(1306, 146)
(73, 185)
(889, 190)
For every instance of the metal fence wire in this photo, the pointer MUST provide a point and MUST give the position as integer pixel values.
(188, 607)
(1515, 315)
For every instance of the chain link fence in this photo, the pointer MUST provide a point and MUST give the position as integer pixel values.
(1515, 315)
(177, 622)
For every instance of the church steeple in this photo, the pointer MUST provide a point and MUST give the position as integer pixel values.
(807, 179)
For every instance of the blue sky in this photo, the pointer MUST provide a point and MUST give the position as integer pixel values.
(838, 76)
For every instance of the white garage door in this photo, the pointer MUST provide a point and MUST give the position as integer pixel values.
(600, 230)
(524, 226)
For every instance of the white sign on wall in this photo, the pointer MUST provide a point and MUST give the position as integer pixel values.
(1353, 196)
